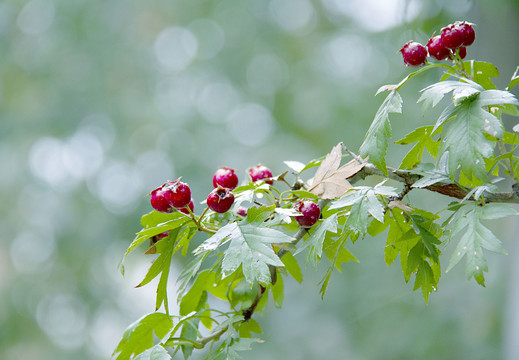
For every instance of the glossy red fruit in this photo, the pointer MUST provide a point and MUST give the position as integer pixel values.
(463, 52)
(414, 53)
(160, 200)
(220, 200)
(179, 193)
(260, 172)
(453, 35)
(191, 205)
(469, 35)
(437, 49)
(310, 210)
(225, 177)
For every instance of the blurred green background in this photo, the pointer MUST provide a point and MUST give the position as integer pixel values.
(102, 101)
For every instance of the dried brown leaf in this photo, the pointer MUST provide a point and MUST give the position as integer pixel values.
(330, 181)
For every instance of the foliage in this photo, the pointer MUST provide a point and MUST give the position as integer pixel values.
(244, 259)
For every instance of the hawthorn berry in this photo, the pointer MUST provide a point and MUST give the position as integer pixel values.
(160, 200)
(225, 177)
(260, 172)
(414, 53)
(220, 199)
(469, 35)
(462, 52)
(310, 211)
(437, 49)
(458, 34)
(191, 205)
(180, 193)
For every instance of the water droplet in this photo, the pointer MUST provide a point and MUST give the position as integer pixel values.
(477, 267)
(475, 253)
(401, 213)
(464, 248)
(459, 253)
(486, 122)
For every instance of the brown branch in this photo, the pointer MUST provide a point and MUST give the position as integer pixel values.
(449, 189)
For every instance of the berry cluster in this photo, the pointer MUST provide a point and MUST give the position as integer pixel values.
(453, 40)
(176, 196)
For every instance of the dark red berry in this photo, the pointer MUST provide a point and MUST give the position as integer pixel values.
(225, 177)
(436, 48)
(160, 200)
(414, 53)
(453, 35)
(179, 193)
(260, 172)
(220, 200)
(242, 211)
(462, 52)
(191, 205)
(469, 35)
(310, 211)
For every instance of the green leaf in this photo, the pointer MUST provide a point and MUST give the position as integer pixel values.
(375, 143)
(193, 300)
(248, 327)
(422, 136)
(465, 141)
(477, 237)
(278, 291)
(481, 72)
(292, 266)
(316, 239)
(190, 272)
(337, 254)
(430, 174)
(251, 247)
(364, 203)
(514, 80)
(176, 220)
(427, 277)
(433, 94)
(155, 353)
(138, 337)
(189, 332)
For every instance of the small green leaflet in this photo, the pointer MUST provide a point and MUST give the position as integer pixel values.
(152, 227)
(337, 254)
(477, 237)
(292, 266)
(430, 174)
(422, 136)
(316, 239)
(479, 71)
(433, 94)
(514, 80)
(249, 246)
(138, 337)
(364, 202)
(375, 143)
(155, 353)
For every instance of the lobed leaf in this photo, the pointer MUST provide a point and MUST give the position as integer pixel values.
(375, 143)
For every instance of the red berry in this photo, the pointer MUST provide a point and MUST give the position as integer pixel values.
(469, 35)
(225, 177)
(453, 35)
(260, 172)
(436, 48)
(191, 205)
(310, 211)
(242, 211)
(179, 193)
(414, 53)
(220, 200)
(463, 52)
(160, 200)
